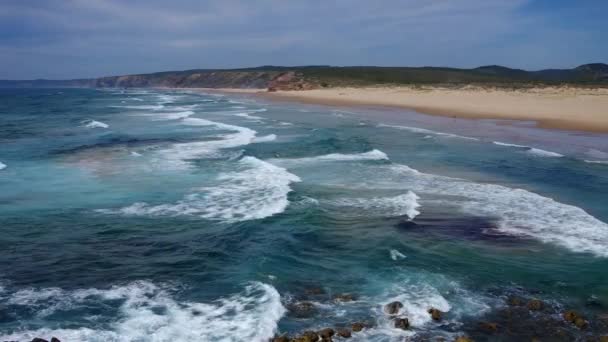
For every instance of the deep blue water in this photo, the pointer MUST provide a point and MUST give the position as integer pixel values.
(148, 215)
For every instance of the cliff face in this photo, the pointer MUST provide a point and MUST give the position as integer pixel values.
(203, 79)
(309, 77)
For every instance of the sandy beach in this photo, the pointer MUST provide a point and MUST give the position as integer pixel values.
(559, 108)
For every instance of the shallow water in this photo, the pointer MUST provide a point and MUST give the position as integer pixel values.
(132, 215)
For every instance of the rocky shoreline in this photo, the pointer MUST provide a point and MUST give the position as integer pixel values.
(520, 318)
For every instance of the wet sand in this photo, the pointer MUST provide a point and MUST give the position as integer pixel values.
(582, 109)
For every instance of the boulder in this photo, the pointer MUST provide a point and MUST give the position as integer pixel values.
(402, 323)
(307, 336)
(535, 305)
(570, 316)
(280, 339)
(38, 339)
(55, 339)
(515, 301)
(326, 333)
(603, 338)
(357, 326)
(435, 314)
(345, 333)
(344, 297)
(393, 308)
(463, 339)
(581, 323)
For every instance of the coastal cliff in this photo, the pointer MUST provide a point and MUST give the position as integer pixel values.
(276, 78)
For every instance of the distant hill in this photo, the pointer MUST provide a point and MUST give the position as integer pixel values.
(317, 76)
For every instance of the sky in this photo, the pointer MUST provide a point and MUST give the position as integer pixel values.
(62, 39)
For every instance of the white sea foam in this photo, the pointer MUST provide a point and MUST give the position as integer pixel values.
(258, 190)
(94, 124)
(396, 255)
(542, 153)
(169, 115)
(249, 116)
(427, 131)
(2, 166)
(148, 312)
(509, 145)
(596, 161)
(266, 138)
(239, 136)
(402, 205)
(144, 107)
(333, 157)
(135, 154)
(518, 212)
(531, 150)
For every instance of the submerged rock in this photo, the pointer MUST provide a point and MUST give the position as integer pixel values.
(326, 333)
(515, 301)
(280, 339)
(358, 326)
(488, 327)
(344, 297)
(307, 336)
(302, 309)
(393, 308)
(435, 314)
(402, 323)
(535, 305)
(463, 339)
(314, 291)
(345, 333)
(575, 318)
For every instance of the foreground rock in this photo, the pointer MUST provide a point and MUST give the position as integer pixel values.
(345, 333)
(402, 323)
(393, 308)
(38, 339)
(357, 326)
(435, 314)
(535, 305)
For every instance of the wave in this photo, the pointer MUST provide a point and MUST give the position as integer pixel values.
(2, 166)
(396, 255)
(518, 212)
(509, 145)
(248, 116)
(596, 161)
(531, 150)
(543, 153)
(144, 107)
(266, 138)
(94, 124)
(333, 157)
(148, 312)
(427, 131)
(256, 191)
(402, 205)
(169, 115)
(182, 152)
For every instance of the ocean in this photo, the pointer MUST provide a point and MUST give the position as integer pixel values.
(164, 215)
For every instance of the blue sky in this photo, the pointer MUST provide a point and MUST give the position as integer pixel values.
(89, 38)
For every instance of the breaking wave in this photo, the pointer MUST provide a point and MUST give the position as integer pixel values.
(148, 312)
(427, 131)
(258, 190)
(94, 124)
(2, 166)
(402, 205)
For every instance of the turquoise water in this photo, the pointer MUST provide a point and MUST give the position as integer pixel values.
(144, 215)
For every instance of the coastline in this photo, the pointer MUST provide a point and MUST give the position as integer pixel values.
(554, 108)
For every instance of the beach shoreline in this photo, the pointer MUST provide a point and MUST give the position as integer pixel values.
(562, 108)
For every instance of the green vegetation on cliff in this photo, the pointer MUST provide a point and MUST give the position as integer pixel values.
(307, 77)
